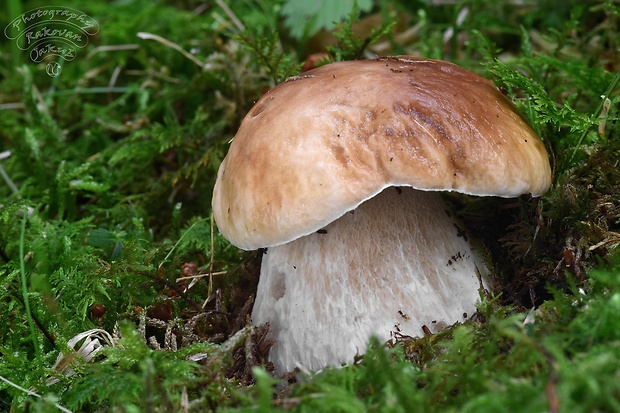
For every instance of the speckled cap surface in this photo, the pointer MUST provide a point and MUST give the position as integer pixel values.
(320, 144)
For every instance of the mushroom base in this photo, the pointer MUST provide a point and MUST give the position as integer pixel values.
(396, 264)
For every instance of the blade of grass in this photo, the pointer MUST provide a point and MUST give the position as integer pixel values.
(172, 45)
(14, 9)
(5, 176)
(597, 112)
(31, 393)
(181, 239)
(90, 91)
(117, 102)
(22, 268)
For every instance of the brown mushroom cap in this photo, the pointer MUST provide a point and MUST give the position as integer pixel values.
(318, 145)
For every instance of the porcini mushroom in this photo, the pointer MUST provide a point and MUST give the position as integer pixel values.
(337, 174)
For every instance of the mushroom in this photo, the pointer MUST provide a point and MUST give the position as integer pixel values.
(338, 173)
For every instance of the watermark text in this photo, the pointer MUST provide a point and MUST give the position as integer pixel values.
(51, 32)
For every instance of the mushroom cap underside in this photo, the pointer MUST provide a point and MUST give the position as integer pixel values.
(318, 145)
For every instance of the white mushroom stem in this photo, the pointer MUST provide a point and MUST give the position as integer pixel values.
(395, 264)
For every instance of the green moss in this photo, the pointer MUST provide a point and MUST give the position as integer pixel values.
(114, 162)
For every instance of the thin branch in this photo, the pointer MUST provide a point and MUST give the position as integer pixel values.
(112, 48)
(207, 274)
(232, 16)
(166, 42)
(31, 393)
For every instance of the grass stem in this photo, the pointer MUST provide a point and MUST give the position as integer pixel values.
(597, 112)
(22, 268)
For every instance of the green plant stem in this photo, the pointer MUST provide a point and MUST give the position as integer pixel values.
(31, 393)
(7, 179)
(14, 9)
(181, 239)
(22, 268)
(610, 89)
